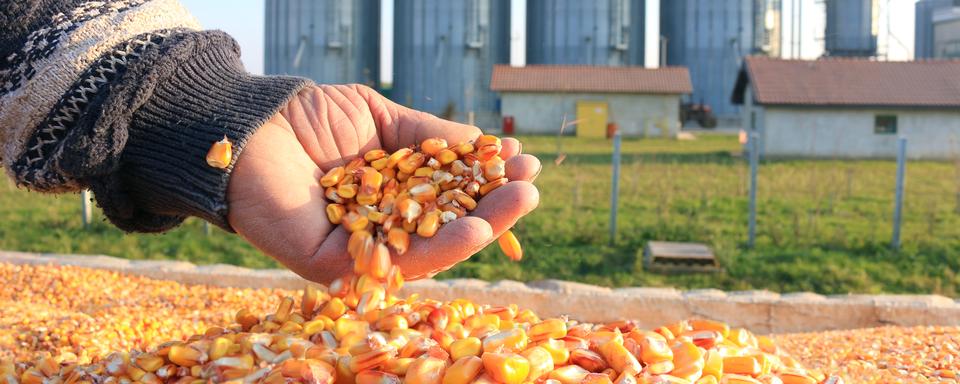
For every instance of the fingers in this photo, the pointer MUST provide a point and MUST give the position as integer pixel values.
(510, 147)
(453, 243)
(522, 167)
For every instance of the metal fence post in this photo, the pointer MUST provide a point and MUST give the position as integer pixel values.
(86, 209)
(615, 190)
(898, 196)
(754, 164)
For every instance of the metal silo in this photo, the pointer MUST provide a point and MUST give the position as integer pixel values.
(851, 27)
(923, 27)
(329, 41)
(710, 37)
(599, 32)
(444, 52)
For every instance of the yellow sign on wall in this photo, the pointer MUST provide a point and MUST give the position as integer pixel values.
(592, 118)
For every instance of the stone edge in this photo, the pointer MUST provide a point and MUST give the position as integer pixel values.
(760, 311)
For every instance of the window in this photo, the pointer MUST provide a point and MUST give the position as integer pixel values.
(885, 125)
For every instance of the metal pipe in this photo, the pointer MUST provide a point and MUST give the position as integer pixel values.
(615, 189)
(898, 194)
(754, 164)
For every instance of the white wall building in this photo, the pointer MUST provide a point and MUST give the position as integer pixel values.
(851, 108)
(642, 102)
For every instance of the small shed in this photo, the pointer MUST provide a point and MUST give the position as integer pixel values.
(641, 101)
(851, 108)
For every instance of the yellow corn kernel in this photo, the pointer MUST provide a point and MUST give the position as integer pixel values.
(332, 177)
(541, 362)
(380, 262)
(588, 359)
(433, 146)
(596, 378)
(490, 186)
(729, 378)
(218, 348)
(494, 168)
(426, 370)
(408, 209)
(707, 380)
(463, 370)
(397, 366)
(470, 346)
(398, 239)
(660, 368)
(347, 191)
(512, 340)
(149, 362)
(548, 329)
(446, 156)
(429, 224)
(377, 377)
(558, 351)
(710, 325)
(713, 364)
(335, 212)
(796, 377)
(185, 356)
(654, 350)
(510, 246)
(411, 163)
(372, 359)
(570, 374)
(741, 365)
(507, 368)
(741, 337)
(334, 308)
(619, 358)
(423, 172)
(220, 153)
(374, 154)
(353, 222)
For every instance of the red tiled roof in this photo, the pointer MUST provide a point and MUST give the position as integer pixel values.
(582, 78)
(851, 82)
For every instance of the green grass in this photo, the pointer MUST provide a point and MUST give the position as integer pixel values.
(823, 225)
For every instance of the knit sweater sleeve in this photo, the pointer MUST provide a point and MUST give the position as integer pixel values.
(125, 97)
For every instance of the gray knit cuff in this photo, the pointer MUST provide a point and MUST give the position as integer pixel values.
(205, 94)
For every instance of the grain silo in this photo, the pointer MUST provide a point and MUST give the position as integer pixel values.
(600, 32)
(923, 37)
(710, 37)
(444, 52)
(852, 27)
(329, 41)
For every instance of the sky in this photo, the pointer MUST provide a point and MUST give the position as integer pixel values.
(243, 19)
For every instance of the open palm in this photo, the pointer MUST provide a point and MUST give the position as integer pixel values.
(277, 203)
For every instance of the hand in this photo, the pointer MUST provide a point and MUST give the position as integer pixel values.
(277, 203)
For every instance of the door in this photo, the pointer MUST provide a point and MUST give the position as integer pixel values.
(591, 118)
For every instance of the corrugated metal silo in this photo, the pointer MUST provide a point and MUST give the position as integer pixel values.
(598, 32)
(923, 27)
(851, 27)
(329, 41)
(444, 52)
(710, 37)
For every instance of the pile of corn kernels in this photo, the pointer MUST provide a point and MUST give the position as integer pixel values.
(69, 311)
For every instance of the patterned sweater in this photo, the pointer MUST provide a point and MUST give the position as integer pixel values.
(125, 97)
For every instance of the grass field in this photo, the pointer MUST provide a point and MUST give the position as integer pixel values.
(823, 225)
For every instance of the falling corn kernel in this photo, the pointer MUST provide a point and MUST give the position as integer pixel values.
(510, 246)
(220, 153)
